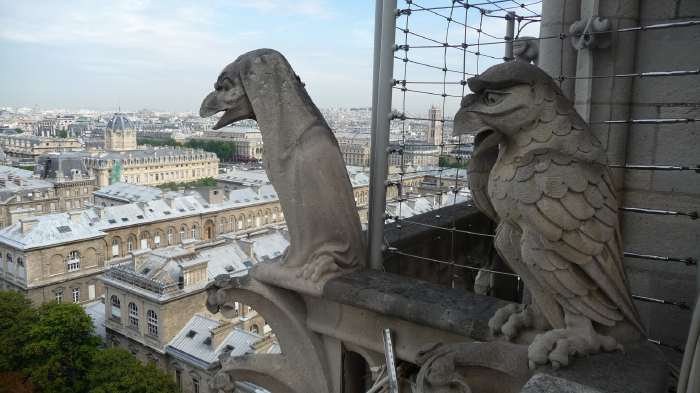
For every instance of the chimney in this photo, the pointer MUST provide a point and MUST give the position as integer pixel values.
(215, 196)
(28, 224)
(219, 333)
(247, 246)
(75, 216)
(19, 215)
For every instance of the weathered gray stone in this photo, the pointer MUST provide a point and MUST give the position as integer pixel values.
(556, 209)
(641, 368)
(543, 383)
(417, 301)
(302, 160)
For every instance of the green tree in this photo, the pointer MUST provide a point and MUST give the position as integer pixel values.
(16, 317)
(61, 348)
(117, 371)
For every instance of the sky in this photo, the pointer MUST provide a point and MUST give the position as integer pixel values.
(166, 55)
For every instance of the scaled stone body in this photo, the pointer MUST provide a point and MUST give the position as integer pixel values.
(551, 193)
(302, 160)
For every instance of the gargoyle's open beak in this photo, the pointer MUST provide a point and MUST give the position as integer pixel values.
(469, 123)
(238, 110)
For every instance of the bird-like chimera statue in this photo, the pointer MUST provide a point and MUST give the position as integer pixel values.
(302, 160)
(541, 174)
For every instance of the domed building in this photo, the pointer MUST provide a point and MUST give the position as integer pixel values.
(124, 161)
(120, 134)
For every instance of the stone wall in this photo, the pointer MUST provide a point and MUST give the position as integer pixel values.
(671, 97)
(670, 49)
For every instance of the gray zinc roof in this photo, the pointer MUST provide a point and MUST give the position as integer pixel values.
(192, 346)
(129, 192)
(47, 230)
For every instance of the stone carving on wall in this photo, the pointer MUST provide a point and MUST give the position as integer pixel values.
(303, 162)
(302, 367)
(526, 49)
(551, 193)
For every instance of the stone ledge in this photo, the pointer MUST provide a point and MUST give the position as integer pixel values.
(452, 310)
(642, 368)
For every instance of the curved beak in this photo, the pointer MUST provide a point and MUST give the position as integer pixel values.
(235, 108)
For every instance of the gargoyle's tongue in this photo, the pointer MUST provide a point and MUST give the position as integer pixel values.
(226, 119)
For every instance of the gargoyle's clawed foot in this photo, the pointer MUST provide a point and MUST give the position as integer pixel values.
(558, 345)
(511, 320)
(318, 268)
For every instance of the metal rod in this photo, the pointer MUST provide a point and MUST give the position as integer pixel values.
(657, 167)
(647, 121)
(380, 133)
(663, 344)
(693, 214)
(638, 74)
(688, 261)
(390, 362)
(681, 305)
(510, 33)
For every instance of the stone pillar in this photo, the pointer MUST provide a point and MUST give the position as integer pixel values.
(557, 56)
(611, 97)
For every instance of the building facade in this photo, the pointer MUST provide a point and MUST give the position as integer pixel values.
(123, 161)
(48, 244)
(30, 147)
(155, 306)
(24, 194)
(247, 142)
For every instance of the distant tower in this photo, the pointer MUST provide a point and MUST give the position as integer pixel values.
(434, 126)
(120, 134)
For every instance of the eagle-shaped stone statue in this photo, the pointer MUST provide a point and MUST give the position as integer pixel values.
(539, 172)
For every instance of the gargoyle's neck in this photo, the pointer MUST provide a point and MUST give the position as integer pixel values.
(283, 109)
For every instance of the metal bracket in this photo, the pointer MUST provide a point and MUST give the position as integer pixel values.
(592, 33)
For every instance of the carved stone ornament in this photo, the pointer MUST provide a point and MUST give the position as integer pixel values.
(302, 366)
(526, 49)
(304, 164)
(590, 33)
(541, 174)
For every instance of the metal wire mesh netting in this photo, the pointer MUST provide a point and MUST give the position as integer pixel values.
(439, 46)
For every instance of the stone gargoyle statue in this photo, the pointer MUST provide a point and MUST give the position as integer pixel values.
(302, 160)
(540, 173)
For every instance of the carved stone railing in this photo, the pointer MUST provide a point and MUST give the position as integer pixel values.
(316, 333)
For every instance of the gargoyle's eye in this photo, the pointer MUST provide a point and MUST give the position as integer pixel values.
(491, 97)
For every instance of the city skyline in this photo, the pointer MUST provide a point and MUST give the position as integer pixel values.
(142, 54)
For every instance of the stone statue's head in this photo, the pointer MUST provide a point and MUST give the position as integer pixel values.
(509, 98)
(230, 93)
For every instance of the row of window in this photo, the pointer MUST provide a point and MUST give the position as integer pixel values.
(11, 265)
(178, 381)
(151, 316)
(173, 175)
(75, 292)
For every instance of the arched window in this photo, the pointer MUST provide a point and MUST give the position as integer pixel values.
(115, 247)
(183, 233)
(152, 319)
(170, 236)
(221, 225)
(156, 240)
(130, 244)
(195, 234)
(133, 315)
(255, 329)
(73, 261)
(144, 240)
(116, 307)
